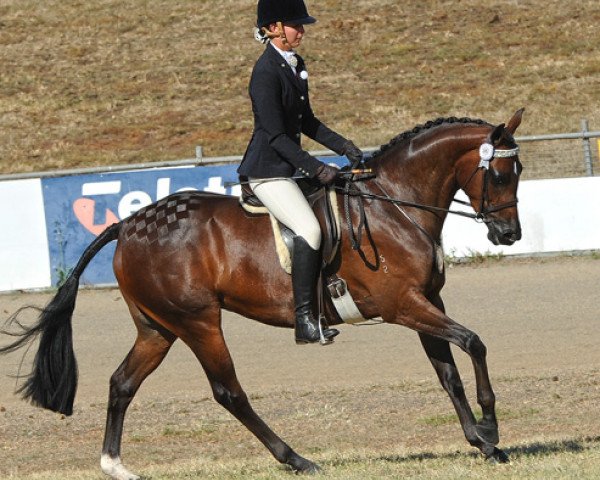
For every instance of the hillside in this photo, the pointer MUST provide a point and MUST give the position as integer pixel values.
(107, 82)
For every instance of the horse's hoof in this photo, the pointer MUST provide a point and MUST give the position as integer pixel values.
(497, 456)
(314, 469)
(113, 467)
(305, 467)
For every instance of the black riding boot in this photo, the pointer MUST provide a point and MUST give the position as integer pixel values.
(305, 268)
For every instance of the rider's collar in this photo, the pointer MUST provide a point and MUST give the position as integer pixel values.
(288, 55)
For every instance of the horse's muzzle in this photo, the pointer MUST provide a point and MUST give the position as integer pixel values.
(504, 233)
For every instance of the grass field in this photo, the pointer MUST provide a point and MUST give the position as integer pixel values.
(107, 82)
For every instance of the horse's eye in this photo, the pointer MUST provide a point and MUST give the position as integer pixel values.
(499, 178)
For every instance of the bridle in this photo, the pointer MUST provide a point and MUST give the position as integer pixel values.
(487, 153)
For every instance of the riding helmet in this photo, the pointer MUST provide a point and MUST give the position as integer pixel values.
(286, 11)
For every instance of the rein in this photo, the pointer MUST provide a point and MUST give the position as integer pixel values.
(405, 203)
(478, 216)
(355, 240)
(487, 153)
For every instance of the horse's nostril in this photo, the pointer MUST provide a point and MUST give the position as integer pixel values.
(511, 236)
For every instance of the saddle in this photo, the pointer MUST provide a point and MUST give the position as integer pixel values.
(323, 201)
(324, 204)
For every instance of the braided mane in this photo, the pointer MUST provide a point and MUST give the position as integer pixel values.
(426, 126)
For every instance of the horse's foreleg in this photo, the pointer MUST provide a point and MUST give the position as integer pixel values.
(436, 329)
(209, 346)
(150, 348)
(439, 354)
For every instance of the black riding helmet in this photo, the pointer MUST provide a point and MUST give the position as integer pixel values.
(285, 11)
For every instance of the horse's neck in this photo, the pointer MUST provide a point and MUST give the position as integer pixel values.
(425, 175)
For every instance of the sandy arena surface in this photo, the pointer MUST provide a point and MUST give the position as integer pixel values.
(538, 318)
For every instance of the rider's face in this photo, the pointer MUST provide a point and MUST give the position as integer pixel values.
(293, 34)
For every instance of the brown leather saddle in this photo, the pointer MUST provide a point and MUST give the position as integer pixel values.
(324, 204)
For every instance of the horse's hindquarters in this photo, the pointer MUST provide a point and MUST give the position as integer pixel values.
(214, 255)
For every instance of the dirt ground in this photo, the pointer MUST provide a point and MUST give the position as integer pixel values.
(373, 388)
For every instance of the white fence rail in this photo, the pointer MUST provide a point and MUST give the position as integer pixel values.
(557, 214)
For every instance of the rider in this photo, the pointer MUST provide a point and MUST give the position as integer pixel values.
(280, 104)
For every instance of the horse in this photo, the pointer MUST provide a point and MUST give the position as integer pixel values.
(182, 260)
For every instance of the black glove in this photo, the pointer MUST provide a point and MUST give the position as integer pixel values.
(352, 152)
(326, 174)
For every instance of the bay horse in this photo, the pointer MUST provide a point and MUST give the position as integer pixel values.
(182, 260)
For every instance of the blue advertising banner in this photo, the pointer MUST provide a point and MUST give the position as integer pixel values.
(78, 208)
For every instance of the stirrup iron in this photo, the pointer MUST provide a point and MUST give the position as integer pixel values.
(323, 341)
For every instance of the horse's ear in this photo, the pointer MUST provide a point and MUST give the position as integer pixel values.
(496, 134)
(515, 121)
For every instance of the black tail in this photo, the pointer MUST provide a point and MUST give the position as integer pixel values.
(53, 381)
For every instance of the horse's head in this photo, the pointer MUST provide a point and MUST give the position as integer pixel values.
(489, 175)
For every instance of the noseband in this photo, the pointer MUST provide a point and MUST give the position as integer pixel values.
(487, 153)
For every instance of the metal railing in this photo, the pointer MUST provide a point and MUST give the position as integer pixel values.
(544, 156)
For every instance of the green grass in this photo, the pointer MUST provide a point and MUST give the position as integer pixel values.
(473, 257)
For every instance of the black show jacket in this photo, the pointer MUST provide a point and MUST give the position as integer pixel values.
(282, 112)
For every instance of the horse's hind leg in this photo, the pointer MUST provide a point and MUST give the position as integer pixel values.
(151, 345)
(208, 344)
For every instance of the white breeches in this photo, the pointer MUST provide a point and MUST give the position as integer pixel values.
(286, 202)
